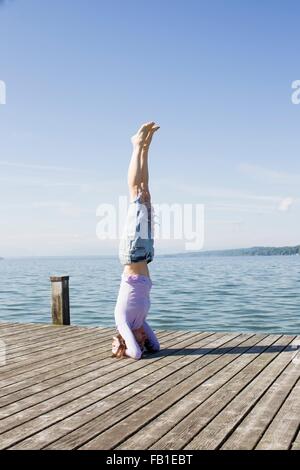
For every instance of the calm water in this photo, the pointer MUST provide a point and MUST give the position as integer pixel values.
(204, 293)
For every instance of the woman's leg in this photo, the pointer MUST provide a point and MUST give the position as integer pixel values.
(144, 165)
(138, 180)
(135, 172)
(152, 343)
(138, 173)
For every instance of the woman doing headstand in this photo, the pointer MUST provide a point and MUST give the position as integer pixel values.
(135, 252)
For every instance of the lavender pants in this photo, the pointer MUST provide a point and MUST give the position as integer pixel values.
(131, 310)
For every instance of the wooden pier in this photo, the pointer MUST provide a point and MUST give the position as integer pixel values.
(61, 389)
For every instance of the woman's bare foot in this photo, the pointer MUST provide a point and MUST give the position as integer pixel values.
(138, 139)
(149, 136)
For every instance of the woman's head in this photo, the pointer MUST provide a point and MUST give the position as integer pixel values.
(140, 336)
(119, 346)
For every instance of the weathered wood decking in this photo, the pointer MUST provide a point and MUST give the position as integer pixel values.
(60, 389)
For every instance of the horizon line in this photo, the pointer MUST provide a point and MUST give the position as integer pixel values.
(157, 255)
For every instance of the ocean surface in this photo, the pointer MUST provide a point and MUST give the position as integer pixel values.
(260, 294)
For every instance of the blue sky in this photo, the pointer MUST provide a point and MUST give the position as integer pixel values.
(81, 76)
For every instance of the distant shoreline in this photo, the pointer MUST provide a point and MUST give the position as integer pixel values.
(253, 251)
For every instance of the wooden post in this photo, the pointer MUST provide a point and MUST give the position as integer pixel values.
(60, 300)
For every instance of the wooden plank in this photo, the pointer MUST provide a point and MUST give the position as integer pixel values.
(270, 365)
(14, 325)
(145, 413)
(78, 358)
(57, 333)
(26, 332)
(30, 338)
(35, 359)
(63, 385)
(39, 330)
(165, 422)
(22, 404)
(98, 362)
(38, 358)
(15, 334)
(18, 354)
(136, 380)
(251, 429)
(47, 330)
(11, 327)
(93, 391)
(52, 356)
(15, 354)
(281, 432)
(4, 324)
(213, 395)
(13, 375)
(16, 392)
(17, 344)
(202, 391)
(103, 415)
(296, 443)
(16, 328)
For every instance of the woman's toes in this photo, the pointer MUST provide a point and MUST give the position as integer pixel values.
(147, 126)
(140, 136)
(152, 130)
(145, 129)
(150, 135)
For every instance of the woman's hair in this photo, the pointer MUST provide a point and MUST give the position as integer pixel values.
(121, 349)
